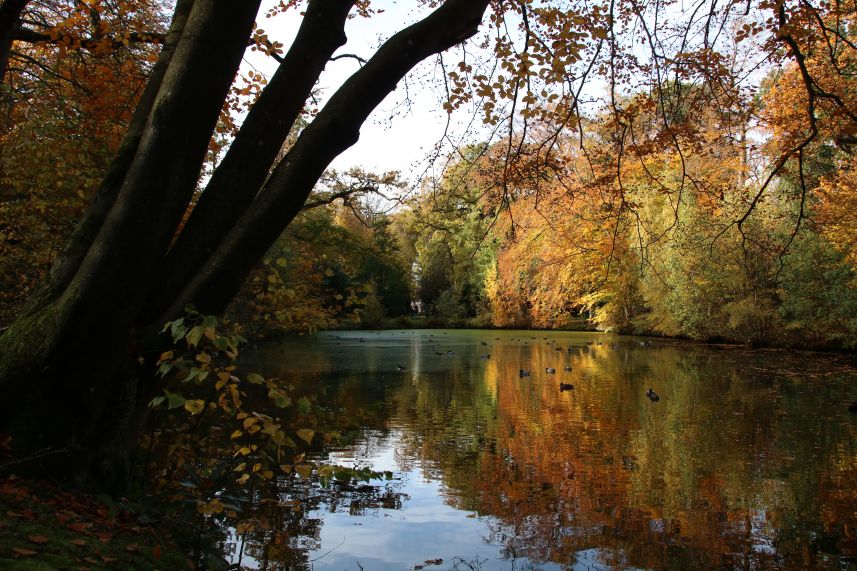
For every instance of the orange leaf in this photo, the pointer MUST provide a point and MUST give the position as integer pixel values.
(24, 552)
(79, 542)
(40, 539)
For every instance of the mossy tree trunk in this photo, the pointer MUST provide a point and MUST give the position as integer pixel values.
(70, 365)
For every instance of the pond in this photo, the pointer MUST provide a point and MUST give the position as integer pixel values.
(743, 459)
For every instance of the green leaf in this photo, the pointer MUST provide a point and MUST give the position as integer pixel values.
(156, 401)
(174, 400)
(177, 329)
(255, 378)
(194, 336)
(304, 406)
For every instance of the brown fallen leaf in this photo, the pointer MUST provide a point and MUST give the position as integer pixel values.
(40, 539)
(23, 514)
(91, 560)
(132, 547)
(79, 542)
(104, 537)
(107, 559)
(81, 527)
(156, 552)
(24, 552)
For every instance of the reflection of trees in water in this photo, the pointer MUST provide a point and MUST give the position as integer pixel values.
(285, 533)
(745, 462)
(715, 474)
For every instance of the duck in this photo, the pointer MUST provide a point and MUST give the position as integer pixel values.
(550, 370)
(565, 387)
(400, 368)
(523, 373)
(450, 353)
(485, 356)
(653, 396)
(568, 368)
(483, 343)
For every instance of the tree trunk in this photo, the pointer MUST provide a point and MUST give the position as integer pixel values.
(237, 179)
(336, 128)
(10, 17)
(74, 354)
(71, 360)
(87, 229)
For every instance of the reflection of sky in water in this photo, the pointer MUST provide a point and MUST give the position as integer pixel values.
(425, 529)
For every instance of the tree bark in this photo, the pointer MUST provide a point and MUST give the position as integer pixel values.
(237, 179)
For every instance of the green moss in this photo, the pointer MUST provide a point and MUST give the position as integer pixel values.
(25, 344)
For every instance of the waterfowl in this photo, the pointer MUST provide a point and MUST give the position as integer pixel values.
(483, 343)
(567, 368)
(400, 368)
(450, 353)
(653, 396)
(523, 373)
(550, 370)
(485, 356)
(565, 387)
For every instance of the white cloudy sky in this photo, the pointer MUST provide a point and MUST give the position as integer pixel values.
(398, 135)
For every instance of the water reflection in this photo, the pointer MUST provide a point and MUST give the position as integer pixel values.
(748, 460)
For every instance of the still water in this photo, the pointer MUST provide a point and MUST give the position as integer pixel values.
(748, 459)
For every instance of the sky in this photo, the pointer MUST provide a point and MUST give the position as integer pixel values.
(398, 135)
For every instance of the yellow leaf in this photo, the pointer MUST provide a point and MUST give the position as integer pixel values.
(286, 468)
(304, 471)
(194, 406)
(243, 451)
(240, 467)
(306, 435)
(236, 434)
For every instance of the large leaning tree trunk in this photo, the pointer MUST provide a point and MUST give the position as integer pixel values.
(73, 388)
